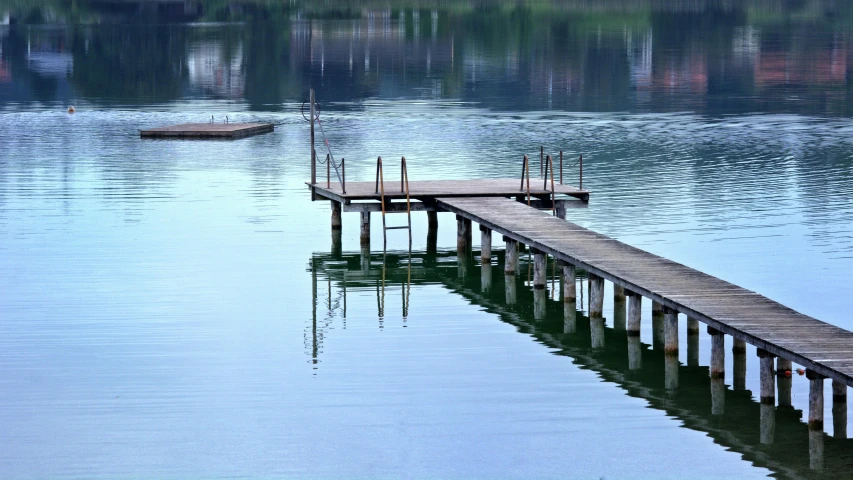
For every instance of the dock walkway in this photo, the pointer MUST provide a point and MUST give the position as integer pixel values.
(741, 313)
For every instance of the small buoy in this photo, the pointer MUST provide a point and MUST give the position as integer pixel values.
(71, 109)
(800, 371)
(787, 373)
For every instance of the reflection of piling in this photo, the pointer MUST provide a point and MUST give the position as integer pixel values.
(337, 244)
(839, 409)
(635, 353)
(596, 307)
(783, 382)
(365, 258)
(570, 312)
(511, 295)
(767, 424)
(718, 396)
(671, 372)
(657, 325)
(540, 296)
(596, 327)
(618, 307)
(486, 277)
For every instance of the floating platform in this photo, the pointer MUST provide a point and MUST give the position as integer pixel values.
(208, 130)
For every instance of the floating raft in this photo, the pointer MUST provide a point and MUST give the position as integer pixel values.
(208, 130)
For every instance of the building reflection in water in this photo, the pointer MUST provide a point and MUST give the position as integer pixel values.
(776, 438)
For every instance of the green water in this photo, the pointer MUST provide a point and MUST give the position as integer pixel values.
(174, 309)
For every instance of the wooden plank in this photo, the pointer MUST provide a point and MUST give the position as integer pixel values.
(208, 130)
(736, 311)
(429, 189)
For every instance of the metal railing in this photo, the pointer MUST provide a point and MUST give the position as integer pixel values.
(404, 188)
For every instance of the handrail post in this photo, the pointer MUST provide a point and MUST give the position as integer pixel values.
(378, 167)
(580, 180)
(343, 176)
(328, 171)
(553, 193)
(545, 180)
(402, 172)
(541, 158)
(561, 167)
(527, 166)
(523, 167)
(313, 152)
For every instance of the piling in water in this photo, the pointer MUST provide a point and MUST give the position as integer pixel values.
(768, 379)
(510, 257)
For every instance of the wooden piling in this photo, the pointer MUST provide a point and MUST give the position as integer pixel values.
(596, 329)
(768, 379)
(485, 245)
(486, 277)
(718, 353)
(738, 346)
(635, 304)
(570, 312)
(619, 307)
(657, 325)
(510, 288)
(815, 419)
(596, 297)
(569, 283)
(540, 297)
(510, 257)
(336, 215)
(671, 372)
(365, 258)
(692, 342)
(718, 395)
(839, 409)
(783, 382)
(463, 235)
(670, 332)
(561, 209)
(365, 228)
(540, 270)
(432, 220)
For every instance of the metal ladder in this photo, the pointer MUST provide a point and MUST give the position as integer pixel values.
(404, 187)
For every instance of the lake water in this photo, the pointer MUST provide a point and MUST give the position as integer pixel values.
(175, 309)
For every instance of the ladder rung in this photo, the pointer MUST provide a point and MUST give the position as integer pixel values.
(396, 228)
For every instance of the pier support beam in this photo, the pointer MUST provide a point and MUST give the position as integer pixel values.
(739, 365)
(432, 220)
(839, 409)
(432, 233)
(596, 309)
(692, 342)
(486, 277)
(540, 269)
(783, 382)
(336, 215)
(618, 307)
(635, 351)
(485, 245)
(511, 257)
(657, 325)
(561, 209)
(365, 229)
(815, 419)
(670, 319)
(511, 288)
(718, 371)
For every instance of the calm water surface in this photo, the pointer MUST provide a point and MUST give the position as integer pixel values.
(176, 309)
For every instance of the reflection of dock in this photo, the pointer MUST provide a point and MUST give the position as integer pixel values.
(769, 436)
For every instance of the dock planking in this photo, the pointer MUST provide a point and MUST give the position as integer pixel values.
(736, 311)
(426, 190)
(208, 130)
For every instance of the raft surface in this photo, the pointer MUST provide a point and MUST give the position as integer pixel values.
(208, 130)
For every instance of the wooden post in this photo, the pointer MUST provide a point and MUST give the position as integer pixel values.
(511, 256)
(768, 380)
(635, 303)
(718, 354)
(541, 160)
(463, 235)
(815, 419)
(485, 245)
(561, 209)
(783, 381)
(540, 269)
(839, 409)
(657, 325)
(432, 220)
(432, 232)
(365, 258)
(739, 365)
(511, 288)
(336, 215)
(670, 332)
(365, 228)
(596, 309)
(692, 342)
(569, 283)
(618, 307)
(570, 317)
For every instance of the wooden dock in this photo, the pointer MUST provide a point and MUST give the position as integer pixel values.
(208, 130)
(727, 308)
